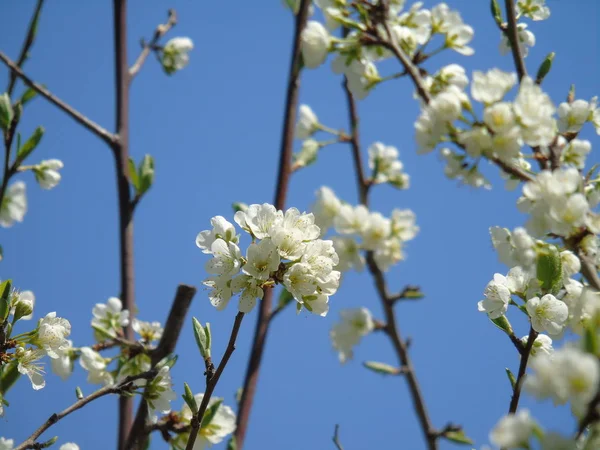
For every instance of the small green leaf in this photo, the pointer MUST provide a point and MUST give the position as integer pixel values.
(503, 323)
(146, 174)
(78, 393)
(413, 293)
(549, 269)
(208, 336)
(232, 444)
(511, 378)
(545, 68)
(133, 176)
(9, 375)
(458, 437)
(201, 338)
(239, 206)
(29, 95)
(285, 298)
(210, 413)
(189, 399)
(168, 361)
(29, 145)
(382, 368)
(5, 290)
(590, 337)
(496, 13)
(6, 111)
(49, 443)
(571, 94)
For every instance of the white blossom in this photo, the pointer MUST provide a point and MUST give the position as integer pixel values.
(576, 152)
(175, 54)
(349, 253)
(259, 219)
(542, 345)
(52, 334)
(534, 9)
(346, 334)
(497, 297)
(27, 364)
(6, 444)
(96, 366)
(547, 314)
(23, 306)
(326, 208)
(307, 123)
(63, 365)
(492, 86)
(110, 317)
(404, 224)
(159, 392)
(513, 430)
(315, 42)
(526, 39)
(376, 231)
(69, 446)
(226, 260)
(351, 220)
(250, 289)
(262, 259)
(220, 293)
(148, 331)
(14, 205)
(572, 116)
(47, 173)
(386, 167)
(535, 110)
(222, 229)
(567, 374)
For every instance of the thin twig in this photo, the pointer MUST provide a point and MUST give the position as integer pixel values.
(336, 438)
(514, 401)
(29, 38)
(283, 179)
(211, 382)
(160, 31)
(99, 131)
(124, 386)
(512, 33)
(166, 346)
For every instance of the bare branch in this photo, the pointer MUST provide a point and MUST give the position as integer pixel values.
(283, 180)
(514, 401)
(80, 118)
(166, 346)
(211, 382)
(124, 386)
(160, 31)
(512, 34)
(336, 438)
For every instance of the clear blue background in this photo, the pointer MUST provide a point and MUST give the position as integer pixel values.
(214, 131)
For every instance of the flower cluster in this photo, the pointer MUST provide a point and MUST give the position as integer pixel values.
(411, 29)
(346, 334)
(175, 54)
(285, 249)
(221, 425)
(362, 230)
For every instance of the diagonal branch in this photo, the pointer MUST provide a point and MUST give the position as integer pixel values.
(212, 380)
(166, 346)
(99, 131)
(31, 32)
(123, 387)
(283, 179)
(160, 31)
(512, 34)
(514, 401)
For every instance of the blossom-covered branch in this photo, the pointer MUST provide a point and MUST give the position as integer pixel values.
(283, 176)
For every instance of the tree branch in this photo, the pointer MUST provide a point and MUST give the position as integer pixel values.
(105, 135)
(160, 31)
(124, 386)
(283, 179)
(514, 401)
(336, 438)
(121, 153)
(211, 382)
(513, 37)
(29, 38)
(166, 346)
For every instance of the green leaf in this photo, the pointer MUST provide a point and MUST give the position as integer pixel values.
(133, 176)
(29, 145)
(285, 298)
(239, 206)
(511, 378)
(232, 444)
(208, 336)
(210, 413)
(496, 13)
(1, 253)
(458, 437)
(9, 375)
(189, 399)
(382, 368)
(78, 393)
(168, 361)
(503, 323)
(413, 293)
(590, 337)
(5, 290)
(201, 339)
(29, 95)
(146, 174)
(49, 443)
(549, 269)
(544, 68)
(6, 111)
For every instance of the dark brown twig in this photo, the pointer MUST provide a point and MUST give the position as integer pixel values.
(514, 401)
(99, 131)
(336, 438)
(124, 386)
(166, 346)
(212, 380)
(512, 34)
(283, 179)
(160, 31)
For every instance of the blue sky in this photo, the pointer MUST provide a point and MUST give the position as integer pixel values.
(214, 131)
